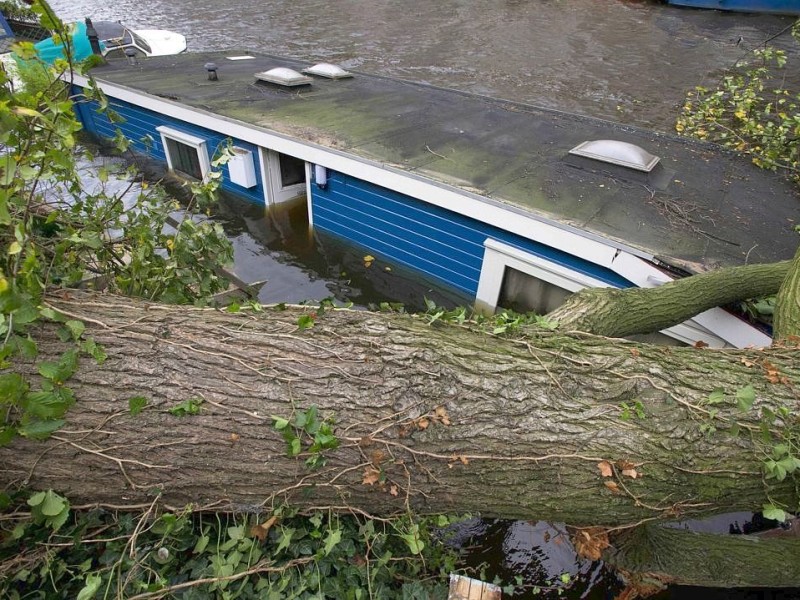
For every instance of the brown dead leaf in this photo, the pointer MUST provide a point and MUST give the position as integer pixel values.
(625, 464)
(261, 530)
(376, 457)
(423, 423)
(590, 542)
(747, 363)
(365, 441)
(464, 460)
(606, 469)
(611, 485)
(635, 352)
(630, 473)
(234, 438)
(371, 476)
(393, 490)
(441, 415)
(700, 344)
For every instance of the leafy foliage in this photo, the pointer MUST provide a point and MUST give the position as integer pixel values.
(237, 557)
(307, 428)
(751, 110)
(60, 229)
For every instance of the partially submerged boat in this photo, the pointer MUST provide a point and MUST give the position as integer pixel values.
(514, 205)
(115, 39)
(779, 7)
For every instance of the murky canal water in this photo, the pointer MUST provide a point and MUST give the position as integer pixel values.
(629, 60)
(623, 60)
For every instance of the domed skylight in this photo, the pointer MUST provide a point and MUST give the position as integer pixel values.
(617, 153)
(284, 76)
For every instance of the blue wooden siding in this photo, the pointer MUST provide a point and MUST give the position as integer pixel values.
(444, 245)
(139, 126)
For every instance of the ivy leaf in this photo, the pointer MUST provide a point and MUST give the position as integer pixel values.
(333, 538)
(40, 430)
(717, 396)
(280, 422)
(53, 504)
(93, 582)
(745, 398)
(136, 405)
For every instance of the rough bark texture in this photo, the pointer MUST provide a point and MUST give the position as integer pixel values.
(676, 556)
(619, 313)
(529, 420)
(787, 310)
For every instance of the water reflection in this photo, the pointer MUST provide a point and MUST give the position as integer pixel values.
(301, 264)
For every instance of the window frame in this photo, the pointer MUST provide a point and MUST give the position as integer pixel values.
(198, 144)
(498, 256)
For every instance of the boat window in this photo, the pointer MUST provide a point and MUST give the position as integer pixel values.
(524, 293)
(186, 154)
(140, 43)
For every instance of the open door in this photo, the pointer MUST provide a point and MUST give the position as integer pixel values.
(284, 176)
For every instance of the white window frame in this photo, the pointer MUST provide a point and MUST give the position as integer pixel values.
(497, 256)
(199, 144)
(274, 191)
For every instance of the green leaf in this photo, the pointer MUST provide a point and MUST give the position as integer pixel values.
(745, 398)
(333, 538)
(37, 499)
(40, 430)
(717, 396)
(770, 511)
(294, 447)
(280, 422)
(76, 328)
(136, 405)
(14, 248)
(305, 322)
(201, 544)
(53, 504)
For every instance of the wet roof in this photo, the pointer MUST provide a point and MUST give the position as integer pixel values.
(700, 207)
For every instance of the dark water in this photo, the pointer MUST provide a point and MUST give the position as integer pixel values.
(629, 61)
(624, 60)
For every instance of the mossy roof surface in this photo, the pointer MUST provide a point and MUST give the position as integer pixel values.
(702, 207)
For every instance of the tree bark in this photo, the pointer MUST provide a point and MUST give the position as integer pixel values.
(787, 309)
(656, 556)
(436, 419)
(619, 313)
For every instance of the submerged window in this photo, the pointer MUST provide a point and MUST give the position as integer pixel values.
(186, 154)
(523, 293)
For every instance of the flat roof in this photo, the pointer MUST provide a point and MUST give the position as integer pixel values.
(701, 208)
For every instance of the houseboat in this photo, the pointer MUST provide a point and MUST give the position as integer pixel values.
(779, 7)
(511, 204)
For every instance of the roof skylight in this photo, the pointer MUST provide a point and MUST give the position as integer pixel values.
(284, 76)
(617, 153)
(328, 70)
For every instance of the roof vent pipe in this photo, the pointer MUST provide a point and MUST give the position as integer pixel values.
(131, 54)
(211, 68)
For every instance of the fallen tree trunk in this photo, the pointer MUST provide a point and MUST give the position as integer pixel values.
(436, 419)
(622, 312)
